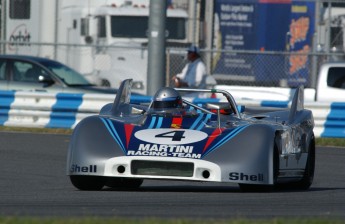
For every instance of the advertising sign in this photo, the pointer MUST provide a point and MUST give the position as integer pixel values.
(262, 25)
(301, 30)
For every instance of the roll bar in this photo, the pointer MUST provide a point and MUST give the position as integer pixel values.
(226, 94)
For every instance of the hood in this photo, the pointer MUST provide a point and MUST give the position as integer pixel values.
(170, 136)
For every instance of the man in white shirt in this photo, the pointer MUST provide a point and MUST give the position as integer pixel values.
(192, 74)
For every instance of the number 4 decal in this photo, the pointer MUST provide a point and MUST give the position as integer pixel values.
(174, 135)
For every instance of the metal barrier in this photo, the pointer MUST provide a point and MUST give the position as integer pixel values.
(63, 110)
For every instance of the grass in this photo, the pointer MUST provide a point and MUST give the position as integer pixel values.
(15, 220)
(337, 142)
(37, 130)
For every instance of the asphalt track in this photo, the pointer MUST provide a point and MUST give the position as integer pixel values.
(33, 183)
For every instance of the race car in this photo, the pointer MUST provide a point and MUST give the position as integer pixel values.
(172, 138)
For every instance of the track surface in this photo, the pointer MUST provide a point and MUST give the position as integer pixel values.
(33, 183)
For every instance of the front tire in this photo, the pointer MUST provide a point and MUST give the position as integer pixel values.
(88, 183)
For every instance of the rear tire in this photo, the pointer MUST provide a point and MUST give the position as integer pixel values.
(307, 180)
(88, 183)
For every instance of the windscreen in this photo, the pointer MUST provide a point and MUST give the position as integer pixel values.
(137, 27)
(66, 74)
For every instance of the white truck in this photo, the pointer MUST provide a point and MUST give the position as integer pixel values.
(103, 39)
(330, 87)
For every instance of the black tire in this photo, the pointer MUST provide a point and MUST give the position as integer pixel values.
(123, 183)
(265, 188)
(88, 183)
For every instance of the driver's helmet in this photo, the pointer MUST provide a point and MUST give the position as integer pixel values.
(166, 98)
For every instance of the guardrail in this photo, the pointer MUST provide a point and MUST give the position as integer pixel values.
(65, 110)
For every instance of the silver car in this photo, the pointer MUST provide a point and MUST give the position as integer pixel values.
(174, 139)
(28, 73)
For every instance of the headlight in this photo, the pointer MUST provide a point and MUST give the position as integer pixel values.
(288, 145)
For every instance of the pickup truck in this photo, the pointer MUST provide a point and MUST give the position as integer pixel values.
(330, 87)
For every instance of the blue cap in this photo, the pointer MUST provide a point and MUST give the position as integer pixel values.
(194, 49)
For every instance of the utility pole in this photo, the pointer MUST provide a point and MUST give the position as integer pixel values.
(156, 48)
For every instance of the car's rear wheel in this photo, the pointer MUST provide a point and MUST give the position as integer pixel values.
(307, 180)
(125, 183)
(88, 183)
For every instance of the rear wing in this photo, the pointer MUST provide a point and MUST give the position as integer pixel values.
(297, 103)
(122, 99)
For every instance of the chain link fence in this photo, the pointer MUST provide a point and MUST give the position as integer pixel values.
(303, 47)
(244, 67)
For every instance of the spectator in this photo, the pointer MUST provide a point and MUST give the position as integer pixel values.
(194, 71)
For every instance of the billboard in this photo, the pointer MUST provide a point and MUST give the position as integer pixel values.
(261, 25)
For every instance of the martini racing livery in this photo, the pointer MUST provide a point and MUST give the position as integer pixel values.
(174, 139)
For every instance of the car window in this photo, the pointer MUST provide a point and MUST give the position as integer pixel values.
(66, 74)
(2, 69)
(336, 77)
(26, 72)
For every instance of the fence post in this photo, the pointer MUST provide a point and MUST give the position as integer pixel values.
(156, 50)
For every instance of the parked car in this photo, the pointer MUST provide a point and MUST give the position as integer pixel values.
(28, 73)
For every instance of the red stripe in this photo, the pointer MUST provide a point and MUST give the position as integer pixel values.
(128, 131)
(176, 122)
(212, 137)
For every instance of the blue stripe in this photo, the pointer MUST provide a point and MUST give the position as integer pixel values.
(159, 123)
(109, 125)
(203, 123)
(205, 100)
(64, 111)
(280, 104)
(137, 99)
(116, 135)
(334, 126)
(153, 120)
(196, 121)
(225, 139)
(6, 99)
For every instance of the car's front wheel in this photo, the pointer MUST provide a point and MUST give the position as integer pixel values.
(88, 183)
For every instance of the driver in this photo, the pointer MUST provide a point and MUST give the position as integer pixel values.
(167, 97)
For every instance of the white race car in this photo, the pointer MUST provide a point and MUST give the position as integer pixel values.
(174, 139)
